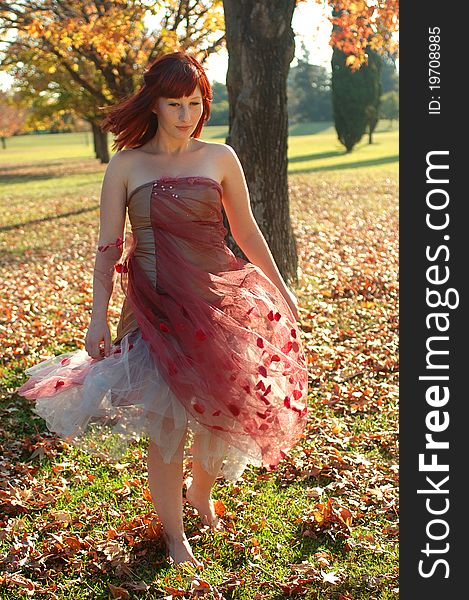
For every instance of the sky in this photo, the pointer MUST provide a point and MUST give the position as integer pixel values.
(309, 24)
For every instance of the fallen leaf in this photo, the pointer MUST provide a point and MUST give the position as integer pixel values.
(119, 592)
(330, 577)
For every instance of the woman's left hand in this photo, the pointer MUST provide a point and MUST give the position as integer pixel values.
(292, 302)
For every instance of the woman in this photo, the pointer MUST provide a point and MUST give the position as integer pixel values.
(207, 343)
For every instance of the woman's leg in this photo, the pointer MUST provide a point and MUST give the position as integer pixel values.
(165, 482)
(199, 487)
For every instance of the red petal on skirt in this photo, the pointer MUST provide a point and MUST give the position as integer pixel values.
(172, 369)
(234, 409)
(200, 335)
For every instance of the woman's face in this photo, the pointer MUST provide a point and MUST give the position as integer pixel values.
(179, 116)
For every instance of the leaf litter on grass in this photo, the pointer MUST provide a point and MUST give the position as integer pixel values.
(344, 470)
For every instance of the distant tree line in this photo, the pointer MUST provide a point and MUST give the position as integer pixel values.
(389, 107)
(309, 91)
(360, 97)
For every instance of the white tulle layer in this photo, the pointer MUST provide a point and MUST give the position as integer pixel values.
(121, 398)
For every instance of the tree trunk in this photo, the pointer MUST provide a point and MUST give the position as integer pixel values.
(94, 129)
(104, 154)
(100, 143)
(4, 144)
(261, 45)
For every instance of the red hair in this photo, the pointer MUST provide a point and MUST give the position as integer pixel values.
(170, 75)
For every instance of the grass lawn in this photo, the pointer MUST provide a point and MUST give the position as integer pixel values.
(324, 525)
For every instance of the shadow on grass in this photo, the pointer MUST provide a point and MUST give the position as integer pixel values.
(44, 171)
(319, 156)
(4, 171)
(30, 178)
(71, 213)
(351, 165)
(309, 128)
(18, 173)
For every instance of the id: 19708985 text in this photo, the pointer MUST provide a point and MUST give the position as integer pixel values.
(434, 73)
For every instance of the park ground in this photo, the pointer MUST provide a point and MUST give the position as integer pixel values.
(324, 525)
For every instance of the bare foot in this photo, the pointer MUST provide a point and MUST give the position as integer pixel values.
(180, 551)
(203, 504)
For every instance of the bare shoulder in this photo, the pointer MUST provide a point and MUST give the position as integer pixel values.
(214, 149)
(224, 152)
(118, 165)
(115, 178)
(228, 163)
(122, 162)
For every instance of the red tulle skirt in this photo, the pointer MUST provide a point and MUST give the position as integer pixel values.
(216, 349)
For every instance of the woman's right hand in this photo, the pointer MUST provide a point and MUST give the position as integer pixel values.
(98, 331)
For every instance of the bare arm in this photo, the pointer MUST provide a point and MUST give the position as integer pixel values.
(111, 234)
(108, 251)
(243, 225)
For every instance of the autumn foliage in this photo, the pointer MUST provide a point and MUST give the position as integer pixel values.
(109, 31)
(358, 25)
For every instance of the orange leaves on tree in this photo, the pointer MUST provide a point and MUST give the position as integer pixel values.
(106, 33)
(359, 24)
